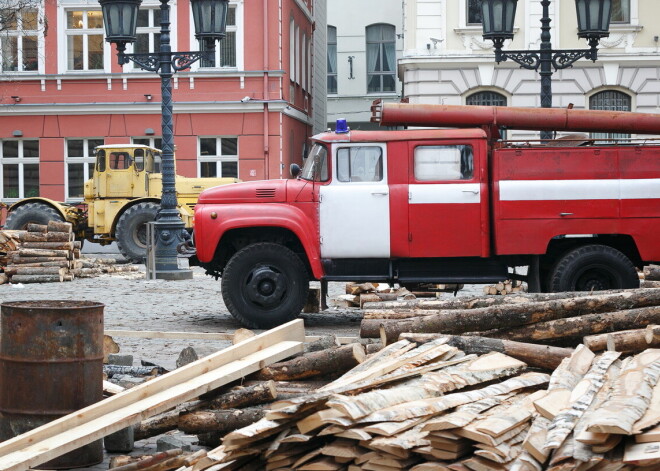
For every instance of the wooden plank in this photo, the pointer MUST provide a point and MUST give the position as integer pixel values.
(154, 334)
(135, 404)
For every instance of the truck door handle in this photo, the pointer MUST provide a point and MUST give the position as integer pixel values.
(379, 193)
(565, 214)
(474, 192)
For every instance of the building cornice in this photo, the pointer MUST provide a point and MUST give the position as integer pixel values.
(19, 76)
(195, 107)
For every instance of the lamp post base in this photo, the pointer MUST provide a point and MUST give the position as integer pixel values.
(168, 232)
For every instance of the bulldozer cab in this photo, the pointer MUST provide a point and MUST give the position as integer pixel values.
(123, 171)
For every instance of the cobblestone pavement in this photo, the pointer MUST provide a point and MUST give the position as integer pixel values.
(134, 303)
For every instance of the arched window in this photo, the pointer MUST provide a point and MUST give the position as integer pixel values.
(381, 58)
(486, 99)
(332, 60)
(610, 100)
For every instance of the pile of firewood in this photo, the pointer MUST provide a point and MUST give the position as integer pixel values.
(651, 276)
(430, 406)
(359, 294)
(44, 253)
(505, 287)
(48, 253)
(554, 318)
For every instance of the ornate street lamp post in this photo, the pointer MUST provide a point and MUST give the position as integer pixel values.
(120, 18)
(593, 24)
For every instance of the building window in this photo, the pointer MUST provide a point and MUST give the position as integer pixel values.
(332, 59)
(155, 142)
(620, 11)
(292, 50)
(148, 31)
(473, 12)
(225, 50)
(381, 58)
(19, 41)
(79, 165)
(613, 101)
(486, 99)
(218, 157)
(20, 168)
(84, 40)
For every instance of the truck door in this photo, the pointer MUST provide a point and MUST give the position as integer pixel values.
(448, 209)
(99, 174)
(355, 206)
(119, 176)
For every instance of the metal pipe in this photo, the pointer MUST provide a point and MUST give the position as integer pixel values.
(533, 119)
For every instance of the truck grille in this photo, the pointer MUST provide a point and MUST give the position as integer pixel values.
(265, 192)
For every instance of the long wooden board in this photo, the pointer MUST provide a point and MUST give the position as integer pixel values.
(133, 405)
(155, 334)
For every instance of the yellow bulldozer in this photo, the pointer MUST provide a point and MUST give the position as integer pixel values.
(121, 197)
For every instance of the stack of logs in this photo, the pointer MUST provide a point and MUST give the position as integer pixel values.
(431, 406)
(651, 275)
(554, 318)
(504, 287)
(46, 253)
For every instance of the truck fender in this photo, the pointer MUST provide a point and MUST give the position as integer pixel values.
(250, 215)
(63, 208)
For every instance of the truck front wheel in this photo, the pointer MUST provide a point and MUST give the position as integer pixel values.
(131, 232)
(265, 285)
(593, 268)
(31, 213)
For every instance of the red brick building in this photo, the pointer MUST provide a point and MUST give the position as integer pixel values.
(247, 113)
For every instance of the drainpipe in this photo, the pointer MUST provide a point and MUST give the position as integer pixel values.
(266, 96)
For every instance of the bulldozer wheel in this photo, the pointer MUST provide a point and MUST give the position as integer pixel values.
(131, 233)
(31, 213)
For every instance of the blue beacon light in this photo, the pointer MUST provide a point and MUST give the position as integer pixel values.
(342, 127)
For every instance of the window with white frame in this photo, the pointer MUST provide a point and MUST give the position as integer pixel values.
(20, 39)
(20, 168)
(79, 165)
(218, 157)
(612, 100)
(84, 40)
(381, 58)
(225, 50)
(620, 11)
(332, 60)
(155, 142)
(292, 50)
(148, 31)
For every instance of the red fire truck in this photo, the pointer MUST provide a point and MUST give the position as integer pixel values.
(440, 206)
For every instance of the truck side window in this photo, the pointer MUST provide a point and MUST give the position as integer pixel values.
(120, 160)
(360, 164)
(138, 155)
(100, 161)
(443, 163)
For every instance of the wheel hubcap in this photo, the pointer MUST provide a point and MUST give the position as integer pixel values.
(595, 280)
(265, 286)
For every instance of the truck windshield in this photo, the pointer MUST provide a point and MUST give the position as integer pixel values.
(319, 155)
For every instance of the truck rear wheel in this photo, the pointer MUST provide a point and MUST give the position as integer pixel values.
(131, 232)
(265, 285)
(593, 268)
(31, 213)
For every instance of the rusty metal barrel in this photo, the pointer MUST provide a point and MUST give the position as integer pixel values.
(51, 364)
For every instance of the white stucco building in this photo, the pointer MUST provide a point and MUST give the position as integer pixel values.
(445, 60)
(365, 41)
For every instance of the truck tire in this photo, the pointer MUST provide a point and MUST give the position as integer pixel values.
(31, 213)
(265, 285)
(593, 268)
(131, 232)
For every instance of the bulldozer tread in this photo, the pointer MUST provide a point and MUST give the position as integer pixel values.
(31, 213)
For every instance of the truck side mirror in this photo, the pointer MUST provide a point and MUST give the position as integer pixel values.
(295, 170)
